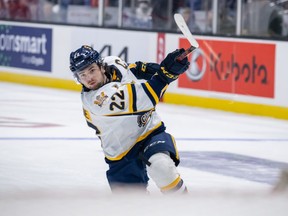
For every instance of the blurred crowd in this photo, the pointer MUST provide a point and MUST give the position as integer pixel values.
(16, 9)
(266, 18)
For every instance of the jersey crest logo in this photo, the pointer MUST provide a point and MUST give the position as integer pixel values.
(100, 99)
(143, 119)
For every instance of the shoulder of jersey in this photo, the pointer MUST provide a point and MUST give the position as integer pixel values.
(110, 60)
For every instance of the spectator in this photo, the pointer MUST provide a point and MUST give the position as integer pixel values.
(140, 17)
(3, 11)
(161, 15)
(189, 17)
(261, 18)
(143, 14)
(18, 10)
(275, 25)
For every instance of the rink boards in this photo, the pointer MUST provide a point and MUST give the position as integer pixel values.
(231, 74)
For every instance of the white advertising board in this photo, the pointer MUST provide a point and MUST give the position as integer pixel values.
(129, 45)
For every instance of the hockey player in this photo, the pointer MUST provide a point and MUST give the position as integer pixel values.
(119, 103)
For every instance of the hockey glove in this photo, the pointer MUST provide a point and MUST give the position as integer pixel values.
(171, 68)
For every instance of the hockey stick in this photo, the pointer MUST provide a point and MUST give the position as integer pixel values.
(186, 32)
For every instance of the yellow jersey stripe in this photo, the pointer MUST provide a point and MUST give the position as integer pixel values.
(172, 185)
(176, 150)
(163, 90)
(152, 92)
(130, 113)
(132, 65)
(130, 98)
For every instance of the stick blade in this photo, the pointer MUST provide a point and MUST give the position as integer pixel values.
(185, 30)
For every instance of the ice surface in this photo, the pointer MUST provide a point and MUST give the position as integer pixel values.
(51, 163)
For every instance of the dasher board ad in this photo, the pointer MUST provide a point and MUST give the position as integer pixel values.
(231, 67)
(26, 47)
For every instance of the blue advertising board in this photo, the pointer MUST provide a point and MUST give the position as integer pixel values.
(26, 47)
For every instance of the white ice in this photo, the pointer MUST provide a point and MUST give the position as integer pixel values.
(51, 163)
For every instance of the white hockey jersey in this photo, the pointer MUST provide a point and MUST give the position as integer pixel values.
(122, 112)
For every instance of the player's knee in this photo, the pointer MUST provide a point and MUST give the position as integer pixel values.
(164, 173)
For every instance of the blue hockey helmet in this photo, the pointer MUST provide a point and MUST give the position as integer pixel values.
(83, 57)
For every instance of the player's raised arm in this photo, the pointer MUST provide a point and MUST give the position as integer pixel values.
(165, 73)
(168, 71)
(144, 70)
